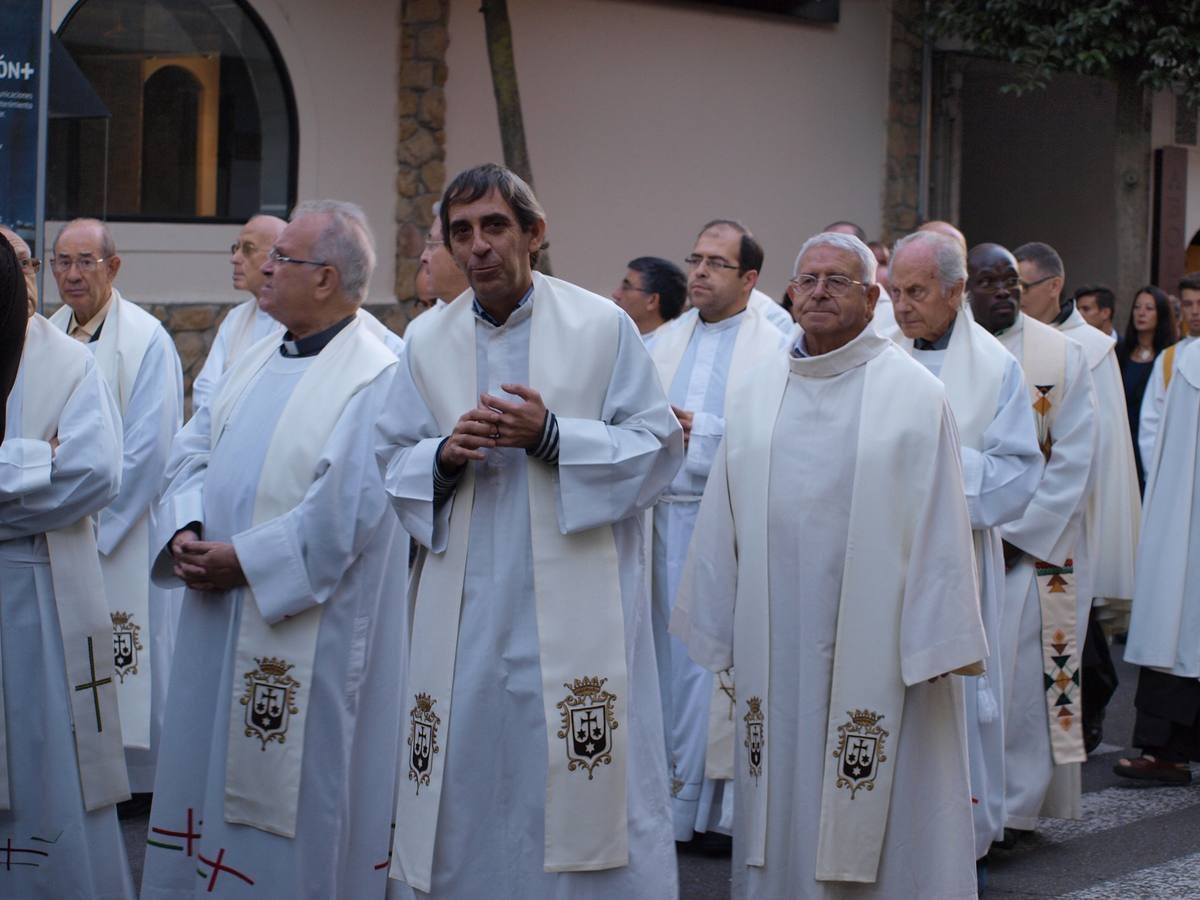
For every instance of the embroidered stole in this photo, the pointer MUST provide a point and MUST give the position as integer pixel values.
(576, 582)
(50, 377)
(1043, 358)
(866, 702)
(273, 663)
(1168, 365)
(123, 342)
(757, 339)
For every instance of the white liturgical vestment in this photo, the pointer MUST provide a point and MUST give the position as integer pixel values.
(338, 554)
(772, 311)
(1051, 531)
(138, 360)
(1155, 399)
(244, 325)
(698, 362)
(58, 847)
(781, 583)
(491, 737)
(1002, 466)
(1164, 632)
(1114, 508)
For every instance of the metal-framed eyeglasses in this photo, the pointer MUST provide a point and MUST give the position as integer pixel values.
(713, 262)
(1026, 285)
(30, 264)
(835, 285)
(87, 264)
(276, 257)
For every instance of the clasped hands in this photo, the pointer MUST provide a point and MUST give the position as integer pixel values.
(495, 423)
(205, 565)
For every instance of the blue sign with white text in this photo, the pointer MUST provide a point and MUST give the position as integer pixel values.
(20, 49)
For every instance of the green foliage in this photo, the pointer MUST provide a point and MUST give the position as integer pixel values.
(1156, 41)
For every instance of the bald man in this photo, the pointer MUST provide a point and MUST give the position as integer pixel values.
(938, 226)
(246, 324)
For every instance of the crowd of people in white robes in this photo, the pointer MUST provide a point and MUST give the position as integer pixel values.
(519, 604)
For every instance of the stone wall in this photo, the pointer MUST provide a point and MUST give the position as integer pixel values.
(421, 147)
(901, 187)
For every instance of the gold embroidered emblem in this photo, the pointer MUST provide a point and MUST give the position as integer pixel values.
(422, 740)
(270, 699)
(756, 735)
(125, 644)
(861, 744)
(588, 721)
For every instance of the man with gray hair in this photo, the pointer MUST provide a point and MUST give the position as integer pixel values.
(1001, 463)
(246, 323)
(138, 360)
(279, 747)
(846, 733)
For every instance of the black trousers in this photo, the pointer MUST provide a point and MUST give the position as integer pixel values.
(1168, 716)
(1099, 674)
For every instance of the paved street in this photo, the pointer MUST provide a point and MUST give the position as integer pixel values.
(1132, 842)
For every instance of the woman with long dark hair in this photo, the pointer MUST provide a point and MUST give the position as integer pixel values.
(1150, 331)
(14, 313)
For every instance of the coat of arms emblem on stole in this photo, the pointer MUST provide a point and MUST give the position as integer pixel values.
(860, 748)
(125, 644)
(588, 721)
(270, 699)
(422, 740)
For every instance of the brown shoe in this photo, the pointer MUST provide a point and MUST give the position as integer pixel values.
(1147, 768)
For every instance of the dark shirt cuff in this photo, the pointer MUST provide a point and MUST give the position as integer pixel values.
(547, 448)
(444, 484)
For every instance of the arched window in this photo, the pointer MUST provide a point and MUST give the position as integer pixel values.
(203, 122)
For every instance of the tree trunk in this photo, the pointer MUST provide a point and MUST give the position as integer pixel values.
(508, 98)
(1132, 179)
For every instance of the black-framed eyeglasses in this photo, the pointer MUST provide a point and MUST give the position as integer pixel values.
(31, 264)
(835, 285)
(277, 257)
(1026, 285)
(713, 262)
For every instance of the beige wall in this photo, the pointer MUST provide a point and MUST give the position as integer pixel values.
(343, 72)
(645, 120)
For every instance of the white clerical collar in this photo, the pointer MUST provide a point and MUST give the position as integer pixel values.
(865, 346)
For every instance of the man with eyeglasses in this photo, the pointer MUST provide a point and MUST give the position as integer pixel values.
(139, 362)
(1001, 465)
(1114, 508)
(527, 434)
(246, 323)
(63, 766)
(832, 561)
(652, 292)
(279, 749)
(30, 265)
(1045, 556)
(700, 356)
(439, 279)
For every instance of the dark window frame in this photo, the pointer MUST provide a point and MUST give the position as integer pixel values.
(293, 130)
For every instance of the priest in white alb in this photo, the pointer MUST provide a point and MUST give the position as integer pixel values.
(1155, 399)
(247, 323)
(1164, 632)
(1047, 599)
(138, 359)
(699, 357)
(832, 565)
(530, 433)
(277, 773)
(62, 768)
(1001, 461)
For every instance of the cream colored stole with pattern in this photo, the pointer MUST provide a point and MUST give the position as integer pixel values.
(866, 701)
(572, 350)
(1044, 359)
(87, 636)
(124, 339)
(756, 339)
(273, 663)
